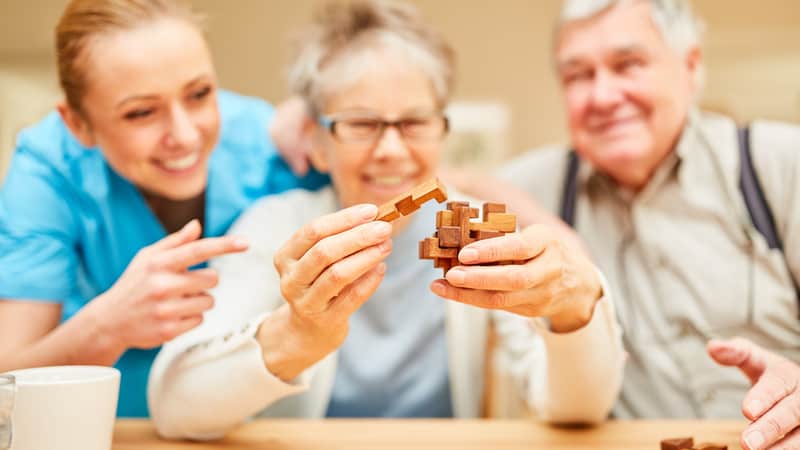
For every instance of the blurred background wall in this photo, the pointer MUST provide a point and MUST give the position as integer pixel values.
(752, 53)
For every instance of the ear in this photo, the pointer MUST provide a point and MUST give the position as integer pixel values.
(694, 67)
(318, 153)
(77, 124)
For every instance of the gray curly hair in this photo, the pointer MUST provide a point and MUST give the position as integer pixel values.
(674, 18)
(344, 38)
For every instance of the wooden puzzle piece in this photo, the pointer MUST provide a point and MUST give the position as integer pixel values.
(454, 230)
(444, 218)
(480, 235)
(429, 248)
(683, 443)
(405, 204)
(710, 446)
(429, 190)
(687, 443)
(493, 208)
(449, 237)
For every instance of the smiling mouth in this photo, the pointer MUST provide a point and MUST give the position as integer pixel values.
(180, 164)
(610, 125)
(389, 185)
(388, 181)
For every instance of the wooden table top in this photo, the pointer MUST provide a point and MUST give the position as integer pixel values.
(288, 434)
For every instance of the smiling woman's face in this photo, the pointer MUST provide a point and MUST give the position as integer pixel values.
(375, 170)
(151, 107)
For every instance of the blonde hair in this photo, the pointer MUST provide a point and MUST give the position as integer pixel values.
(84, 20)
(337, 47)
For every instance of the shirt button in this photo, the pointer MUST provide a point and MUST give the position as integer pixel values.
(710, 396)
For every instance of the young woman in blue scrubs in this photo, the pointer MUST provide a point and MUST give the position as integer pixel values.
(111, 199)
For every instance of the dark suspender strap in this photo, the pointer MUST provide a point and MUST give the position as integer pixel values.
(757, 206)
(569, 194)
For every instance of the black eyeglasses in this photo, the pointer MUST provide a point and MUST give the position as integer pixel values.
(363, 129)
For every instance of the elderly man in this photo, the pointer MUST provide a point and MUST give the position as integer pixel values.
(654, 192)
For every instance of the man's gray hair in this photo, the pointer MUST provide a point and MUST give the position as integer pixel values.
(674, 18)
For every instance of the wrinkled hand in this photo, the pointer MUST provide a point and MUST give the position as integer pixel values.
(773, 403)
(550, 280)
(288, 131)
(328, 269)
(157, 297)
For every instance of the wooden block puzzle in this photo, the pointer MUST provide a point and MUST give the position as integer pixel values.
(455, 230)
(683, 443)
(407, 203)
(687, 443)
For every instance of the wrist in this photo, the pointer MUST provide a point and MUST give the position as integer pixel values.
(579, 313)
(99, 333)
(289, 346)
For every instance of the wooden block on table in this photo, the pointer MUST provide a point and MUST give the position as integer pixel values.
(449, 237)
(710, 446)
(502, 221)
(493, 208)
(431, 189)
(444, 218)
(684, 443)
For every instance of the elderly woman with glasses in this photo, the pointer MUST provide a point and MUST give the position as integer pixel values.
(331, 314)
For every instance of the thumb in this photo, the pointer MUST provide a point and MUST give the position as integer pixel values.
(739, 352)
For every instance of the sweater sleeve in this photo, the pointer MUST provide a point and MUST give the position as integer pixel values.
(566, 377)
(213, 378)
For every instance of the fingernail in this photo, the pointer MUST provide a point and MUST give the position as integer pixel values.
(240, 242)
(468, 255)
(382, 228)
(754, 439)
(189, 224)
(437, 288)
(367, 211)
(381, 268)
(456, 276)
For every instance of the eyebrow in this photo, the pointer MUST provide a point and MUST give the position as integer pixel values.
(622, 50)
(153, 97)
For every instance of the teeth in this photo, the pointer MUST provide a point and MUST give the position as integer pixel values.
(389, 181)
(182, 163)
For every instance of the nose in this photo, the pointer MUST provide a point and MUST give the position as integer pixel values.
(182, 133)
(606, 91)
(391, 144)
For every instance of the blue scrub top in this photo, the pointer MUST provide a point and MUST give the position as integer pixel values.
(69, 225)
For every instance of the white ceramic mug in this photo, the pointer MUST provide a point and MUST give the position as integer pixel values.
(65, 408)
